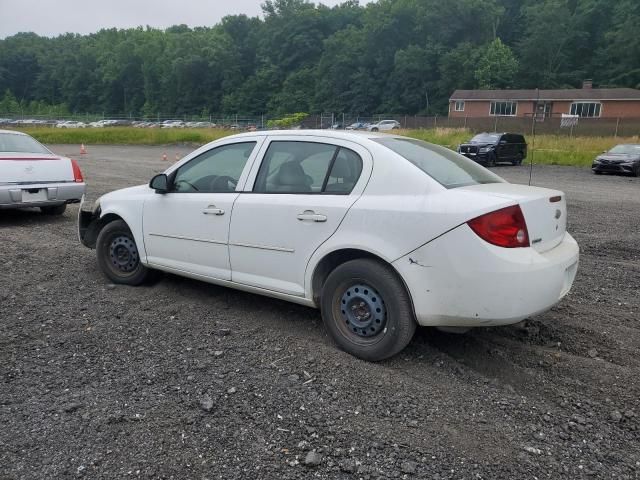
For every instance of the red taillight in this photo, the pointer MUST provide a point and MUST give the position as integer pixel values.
(505, 227)
(77, 174)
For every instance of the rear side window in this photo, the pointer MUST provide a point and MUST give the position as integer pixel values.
(16, 143)
(308, 167)
(448, 168)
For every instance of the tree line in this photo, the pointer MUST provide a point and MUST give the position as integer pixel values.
(391, 56)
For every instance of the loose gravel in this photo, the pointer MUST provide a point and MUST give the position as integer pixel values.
(183, 379)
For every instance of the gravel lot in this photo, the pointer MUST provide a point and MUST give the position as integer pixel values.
(187, 380)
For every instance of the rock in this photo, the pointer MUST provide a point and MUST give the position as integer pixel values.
(110, 286)
(616, 416)
(593, 353)
(72, 407)
(206, 403)
(223, 332)
(539, 436)
(218, 353)
(349, 466)
(533, 450)
(232, 390)
(293, 378)
(312, 459)
(408, 467)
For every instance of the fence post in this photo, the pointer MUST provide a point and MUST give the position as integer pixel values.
(465, 121)
(495, 124)
(617, 125)
(435, 121)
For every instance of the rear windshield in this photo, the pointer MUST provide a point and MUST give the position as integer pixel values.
(485, 138)
(12, 142)
(443, 165)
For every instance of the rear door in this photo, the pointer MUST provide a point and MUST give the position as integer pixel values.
(297, 196)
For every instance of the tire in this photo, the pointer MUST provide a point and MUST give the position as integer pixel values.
(518, 160)
(597, 172)
(377, 320)
(491, 160)
(118, 256)
(57, 210)
(636, 171)
(374, 129)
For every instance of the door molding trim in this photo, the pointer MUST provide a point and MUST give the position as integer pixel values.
(263, 247)
(179, 237)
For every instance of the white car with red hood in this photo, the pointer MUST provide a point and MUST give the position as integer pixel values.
(33, 176)
(381, 232)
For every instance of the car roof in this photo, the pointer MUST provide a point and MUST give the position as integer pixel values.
(13, 132)
(338, 134)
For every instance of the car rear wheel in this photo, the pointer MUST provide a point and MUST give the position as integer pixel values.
(367, 310)
(518, 159)
(636, 170)
(57, 210)
(118, 255)
(374, 129)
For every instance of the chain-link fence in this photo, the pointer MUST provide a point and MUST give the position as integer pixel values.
(617, 127)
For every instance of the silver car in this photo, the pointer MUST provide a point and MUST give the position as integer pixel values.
(383, 125)
(33, 176)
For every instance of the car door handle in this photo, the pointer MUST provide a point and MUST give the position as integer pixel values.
(312, 216)
(213, 210)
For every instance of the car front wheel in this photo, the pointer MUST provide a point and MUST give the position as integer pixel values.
(118, 255)
(367, 310)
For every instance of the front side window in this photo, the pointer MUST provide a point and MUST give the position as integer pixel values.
(503, 109)
(586, 109)
(448, 168)
(459, 105)
(215, 171)
(308, 167)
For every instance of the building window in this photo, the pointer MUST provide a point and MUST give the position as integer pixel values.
(459, 106)
(506, 109)
(586, 109)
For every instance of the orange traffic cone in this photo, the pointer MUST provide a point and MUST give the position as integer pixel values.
(164, 157)
(83, 150)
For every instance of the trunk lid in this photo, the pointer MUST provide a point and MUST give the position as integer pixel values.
(544, 210)
(27, 168)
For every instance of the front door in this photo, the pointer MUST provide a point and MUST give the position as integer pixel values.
(301, 192)
(187, 229)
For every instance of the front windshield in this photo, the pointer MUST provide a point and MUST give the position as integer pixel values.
(485, 138)
(16, 143)
(448, 168)
(626, 149)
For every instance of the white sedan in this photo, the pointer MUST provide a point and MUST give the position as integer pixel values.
(33, 176)
(381, 232)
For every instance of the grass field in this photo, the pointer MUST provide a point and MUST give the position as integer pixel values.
(544, 149)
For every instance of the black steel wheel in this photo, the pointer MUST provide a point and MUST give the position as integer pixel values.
(367, 310)
(118, 255)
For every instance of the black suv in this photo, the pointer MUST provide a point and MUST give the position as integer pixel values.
(492, 148)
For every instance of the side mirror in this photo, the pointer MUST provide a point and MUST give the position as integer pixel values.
(160, 183)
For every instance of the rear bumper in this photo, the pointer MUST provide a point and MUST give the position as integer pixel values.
(40, 194)
(460, 280)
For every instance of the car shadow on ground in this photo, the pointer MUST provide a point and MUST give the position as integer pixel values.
(29, 216)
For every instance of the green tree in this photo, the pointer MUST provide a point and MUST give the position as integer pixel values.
(497, 66)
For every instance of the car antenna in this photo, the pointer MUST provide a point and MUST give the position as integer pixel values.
(533, 134)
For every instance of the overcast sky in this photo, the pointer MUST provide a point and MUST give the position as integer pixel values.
(53, 17)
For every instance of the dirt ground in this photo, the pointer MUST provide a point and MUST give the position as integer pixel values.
(187, 380)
